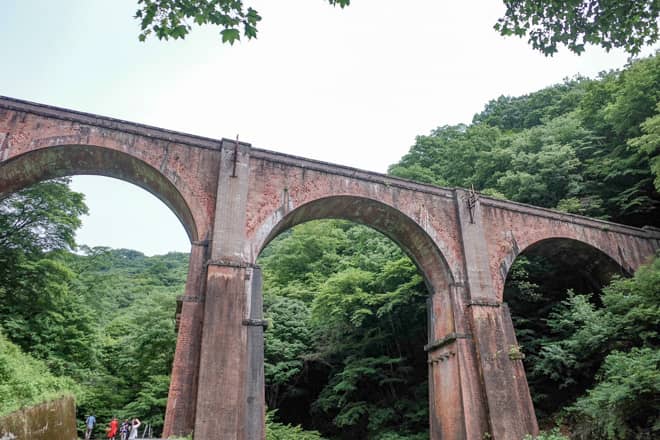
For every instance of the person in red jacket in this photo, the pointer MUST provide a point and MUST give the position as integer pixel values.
(112, 428)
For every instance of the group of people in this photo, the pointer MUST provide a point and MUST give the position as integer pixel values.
(128, 430)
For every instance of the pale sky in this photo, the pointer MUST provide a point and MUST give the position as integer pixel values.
(352, 86)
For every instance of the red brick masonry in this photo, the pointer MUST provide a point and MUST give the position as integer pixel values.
(233, 199)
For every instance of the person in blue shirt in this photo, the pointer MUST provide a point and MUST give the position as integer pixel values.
(89, 424)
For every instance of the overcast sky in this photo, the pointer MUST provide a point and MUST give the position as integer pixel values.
(352, 86)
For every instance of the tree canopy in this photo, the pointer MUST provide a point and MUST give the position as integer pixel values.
(585, 146)
(174, 18)
(627, 24)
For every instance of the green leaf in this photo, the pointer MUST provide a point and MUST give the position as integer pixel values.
(230, 35)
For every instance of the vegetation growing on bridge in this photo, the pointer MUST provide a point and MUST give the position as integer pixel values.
(347, 309)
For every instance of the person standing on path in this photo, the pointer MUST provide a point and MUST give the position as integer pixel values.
(89, 425)
(112, 428)
(135, 424)
(125, 429)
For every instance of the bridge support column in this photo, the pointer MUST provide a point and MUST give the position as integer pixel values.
(180, 413)
(230, 403)
(255, 411)
(230, 400)
(509, 405)
(457, 408)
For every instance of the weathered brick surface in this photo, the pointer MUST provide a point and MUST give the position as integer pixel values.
(511, 228)
(43, 142)
(220, 412)
(52, 420)
(233, 199)
(285, 191)
(180, 414)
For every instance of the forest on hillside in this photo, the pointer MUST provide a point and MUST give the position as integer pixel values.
(347, 308)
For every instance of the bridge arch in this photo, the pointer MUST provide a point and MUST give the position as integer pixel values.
(537, 286)
(246, 196)
(68, 160)
(446, 392)
(413, 239)
(581, 252)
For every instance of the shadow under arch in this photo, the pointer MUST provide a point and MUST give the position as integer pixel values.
(595, 265)
(69, 160)
(536, 291)
(389, 221)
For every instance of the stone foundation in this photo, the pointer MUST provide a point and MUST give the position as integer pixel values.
(54, 420)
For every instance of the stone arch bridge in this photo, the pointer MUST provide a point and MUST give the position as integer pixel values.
(233, 199)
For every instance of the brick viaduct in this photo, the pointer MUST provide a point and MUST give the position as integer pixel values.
(233, 199)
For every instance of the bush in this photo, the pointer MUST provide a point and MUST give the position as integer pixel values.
(25, 381)
(552, 435)
(625, 404)
(279, 431)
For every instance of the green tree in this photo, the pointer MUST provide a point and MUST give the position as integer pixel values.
(287, 341)
(174, 18)
(47, 319)
(615, 348)
(449, 156)
(281, 431)
(38, 310)
(103, 318)
(527, 111)
(583, 146)
(628, 24)
(356, 324)
(26, 381)
(649, 144)
(134, 301)
(624, 402)
(41, 218)
(614, 109)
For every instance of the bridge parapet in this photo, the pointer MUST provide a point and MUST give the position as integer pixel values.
(511, 228)
(647, 232)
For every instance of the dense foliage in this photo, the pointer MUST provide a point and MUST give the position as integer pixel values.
(347, 310)
(26, 381)
(281, 431)
(172, 18)
(584, 146)
(345, 344)
(589, 147)
(629, 24)
(625, 402)
(103, 318)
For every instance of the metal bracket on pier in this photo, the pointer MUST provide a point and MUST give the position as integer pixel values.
(256, 323)
(451, 337)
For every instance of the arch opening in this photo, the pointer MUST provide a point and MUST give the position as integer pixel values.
(366, 301)
(103, 318)
(346, 311)
(71, 160)
(551, 287)
(392, 223)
